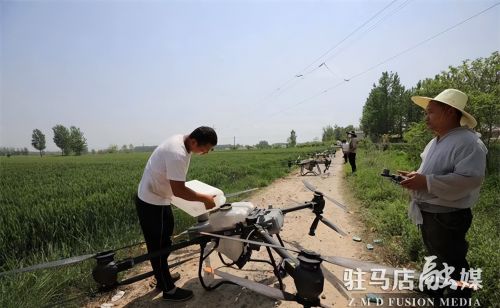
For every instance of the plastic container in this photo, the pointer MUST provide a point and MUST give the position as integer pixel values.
(196, 208)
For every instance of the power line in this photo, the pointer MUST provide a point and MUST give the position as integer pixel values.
(396, 10)
(380, 63)
(387, 60)
(293, 81)
(425, 41)
(301, 72)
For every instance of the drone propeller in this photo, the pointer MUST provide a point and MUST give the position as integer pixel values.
(309, 186)
(260, 288)
(52, 264)
(357, 264)
(239, 193)
(69, 261)
(334, 281)
(333, 226)
(313, 189)
(256, 287)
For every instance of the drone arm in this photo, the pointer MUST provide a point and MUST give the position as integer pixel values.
(308, 205)
(268, 239)
(165, 251)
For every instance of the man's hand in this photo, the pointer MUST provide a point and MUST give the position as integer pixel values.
(180, 190)
(406, 173)
(415, 181)
(209, 202)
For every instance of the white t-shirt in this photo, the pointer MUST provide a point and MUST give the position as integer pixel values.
(345, 147)
(169, 161)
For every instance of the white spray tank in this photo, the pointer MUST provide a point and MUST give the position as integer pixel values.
(226, 218)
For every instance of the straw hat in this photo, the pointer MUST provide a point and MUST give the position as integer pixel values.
(451, 97)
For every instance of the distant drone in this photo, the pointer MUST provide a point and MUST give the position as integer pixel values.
(312, 164)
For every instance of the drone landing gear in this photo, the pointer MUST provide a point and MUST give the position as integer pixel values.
(278, 270)
(310, 167)
(208, 270)
(328, 162)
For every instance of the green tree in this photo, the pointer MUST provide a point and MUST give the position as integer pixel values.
(338, 132)
(78, 143)
(62, 139)
(262, 145)
(38, 140)
(417, 137)
(292, 140)
(328, 134)
(113, 148)
(385, 109)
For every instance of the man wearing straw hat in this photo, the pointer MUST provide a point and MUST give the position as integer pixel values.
(447, 184)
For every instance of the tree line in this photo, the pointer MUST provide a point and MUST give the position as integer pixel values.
(69, 140)
(389, 110)
(6, 151)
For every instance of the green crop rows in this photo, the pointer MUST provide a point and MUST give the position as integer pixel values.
(56, 207)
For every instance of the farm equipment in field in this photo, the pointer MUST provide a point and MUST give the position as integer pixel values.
(312, 164)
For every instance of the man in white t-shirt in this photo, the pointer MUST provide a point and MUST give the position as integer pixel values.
(165, 176)
(345, 150)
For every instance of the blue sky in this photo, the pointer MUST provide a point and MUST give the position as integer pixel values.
(135, 72)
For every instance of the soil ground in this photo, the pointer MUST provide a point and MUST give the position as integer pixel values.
(295, 232)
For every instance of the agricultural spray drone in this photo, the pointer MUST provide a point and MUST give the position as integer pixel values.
(312, 164)
(234, 231)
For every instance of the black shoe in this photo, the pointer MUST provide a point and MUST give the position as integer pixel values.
(175, 276)
(180, 295)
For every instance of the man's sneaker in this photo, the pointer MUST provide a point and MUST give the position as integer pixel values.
(175, 276)
(179, 295)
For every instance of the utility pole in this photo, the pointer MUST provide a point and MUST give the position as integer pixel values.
(234, 142)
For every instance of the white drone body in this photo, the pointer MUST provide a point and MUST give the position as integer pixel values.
(226, 217)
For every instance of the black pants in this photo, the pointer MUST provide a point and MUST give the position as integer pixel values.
(345, 157)
(157, 224)
(444, 237)
(352, 161)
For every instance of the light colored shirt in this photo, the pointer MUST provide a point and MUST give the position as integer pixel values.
(169, 161)
(345, 147)
(454, 167)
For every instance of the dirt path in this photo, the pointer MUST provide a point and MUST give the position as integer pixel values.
(295, 230)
